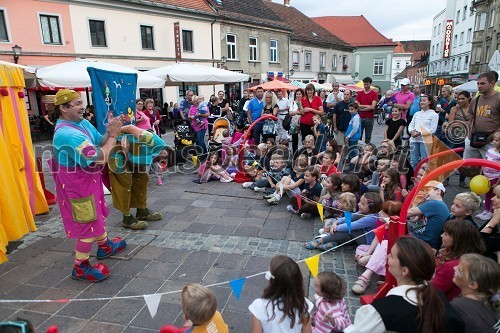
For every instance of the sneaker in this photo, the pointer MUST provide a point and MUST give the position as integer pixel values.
(321, 231)
(259, 189)
(86, 272)
(111, 248)
(226, 180)
(484, 216)
(360, 285)
(247, 184)
(290, 209)
(306, 216)
(130, 222)
(147, 214)
(273, 200)
(463, 185)
(160, 182)
(320, 236)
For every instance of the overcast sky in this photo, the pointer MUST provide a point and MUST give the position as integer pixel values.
(396, 19)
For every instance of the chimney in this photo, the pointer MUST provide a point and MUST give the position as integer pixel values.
(286, 3)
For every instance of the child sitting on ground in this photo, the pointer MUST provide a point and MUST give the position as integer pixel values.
(273, 176)
(374, 183)
(350, 183)
(369, 207)
(328, 167)
(464, 205)
(331, 313)
(200, 312)
(309, 197)
(330, 194)
(308, 150)
(347, 203)
(293, 182)
(212, 169)
(390, 189)
(398, 162)
(364, 163)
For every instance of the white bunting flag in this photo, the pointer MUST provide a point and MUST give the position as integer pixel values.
(152, 301)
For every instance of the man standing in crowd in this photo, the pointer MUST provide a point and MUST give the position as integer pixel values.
(485, 116)
(341, 117)
(254, 111)
(404, 98)
(415, 105)
(367, 100)
(284, 106)
(333, 98)
(186, 104)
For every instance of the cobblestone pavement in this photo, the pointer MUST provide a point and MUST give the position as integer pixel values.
(209, 233)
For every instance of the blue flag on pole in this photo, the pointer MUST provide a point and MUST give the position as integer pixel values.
(113, 92)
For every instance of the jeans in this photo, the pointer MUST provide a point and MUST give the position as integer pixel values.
(257, 132)
(418, 151)
(200, 139)
(367, 128)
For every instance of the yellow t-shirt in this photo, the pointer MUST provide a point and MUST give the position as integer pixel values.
(214, 325)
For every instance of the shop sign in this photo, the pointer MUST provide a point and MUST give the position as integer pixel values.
(447, 38)
(458, 80)
(427, 82)
(440, 82)
(177, 41)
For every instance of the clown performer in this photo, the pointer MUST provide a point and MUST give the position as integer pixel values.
(79, 154)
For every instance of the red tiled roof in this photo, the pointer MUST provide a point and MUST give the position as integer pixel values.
(304, 29)
(253, 12)
(416, 47)
(193, 5)
(355, 30)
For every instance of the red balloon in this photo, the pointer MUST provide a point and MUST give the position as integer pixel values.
(52, 329)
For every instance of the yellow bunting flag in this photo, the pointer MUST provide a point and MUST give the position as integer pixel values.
(320, 210)
(313, 264)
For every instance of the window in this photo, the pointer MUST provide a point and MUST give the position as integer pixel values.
(439, 28)
(492, 17)
(471, 12)
(458, 16)
(378, 66)
(252, 44)
(97, 33)
(469, 35)
(322, 60)
(459, 64)
(308, 58)
(398, 65)
(445, 65)
(466, 62)
(50, 29)
(434, 34)
(407, 64)
(454, 41)
(432, 53)
(231, 46)
(273, 50)
(4, 36)
(334, 62)
(453, 68)
(295, 58)
(147, 37)
(464, 14)
(462, 38)
(477, 56)
(344, 62)
(480, 21)
(187, 41)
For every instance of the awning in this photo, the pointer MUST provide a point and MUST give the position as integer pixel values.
(342, 79)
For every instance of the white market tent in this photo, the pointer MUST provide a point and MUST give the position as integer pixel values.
(470, 86)
(184, 73)
(73, 74)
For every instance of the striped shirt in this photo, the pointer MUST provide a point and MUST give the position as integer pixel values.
(492, 155)
(330, 317)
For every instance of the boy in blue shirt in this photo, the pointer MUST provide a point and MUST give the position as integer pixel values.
(353, 133)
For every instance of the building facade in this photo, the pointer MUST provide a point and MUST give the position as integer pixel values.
(486, 38)
(407, 54)
(451, 44)
(315, 54)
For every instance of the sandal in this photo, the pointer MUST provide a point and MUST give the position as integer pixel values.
(326, 246)
(364, 260)
(311, 245)
(360, 285)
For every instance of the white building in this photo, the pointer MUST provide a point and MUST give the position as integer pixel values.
(450, 57)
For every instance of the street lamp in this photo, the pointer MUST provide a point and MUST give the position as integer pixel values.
(17, 50)
(355, 75)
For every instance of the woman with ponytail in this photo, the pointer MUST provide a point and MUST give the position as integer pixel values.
(414, 305)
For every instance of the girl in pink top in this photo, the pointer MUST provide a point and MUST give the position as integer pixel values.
(141, 120)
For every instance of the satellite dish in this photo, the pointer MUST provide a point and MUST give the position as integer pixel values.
(315, 34)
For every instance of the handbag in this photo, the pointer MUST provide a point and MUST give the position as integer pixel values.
(269, 127)
(287, 122)
(477, 139)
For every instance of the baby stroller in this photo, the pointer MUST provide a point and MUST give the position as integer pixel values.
(219, 126)
(185, 142)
